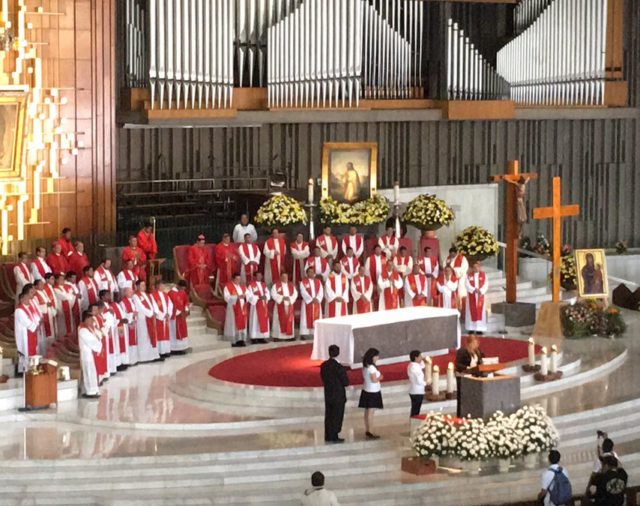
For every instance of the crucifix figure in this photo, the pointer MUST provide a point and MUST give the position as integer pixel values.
(556, 212)
(515, 216)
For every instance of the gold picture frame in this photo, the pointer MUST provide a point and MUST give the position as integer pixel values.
(13, 105)
(349, 171)
(591, 272)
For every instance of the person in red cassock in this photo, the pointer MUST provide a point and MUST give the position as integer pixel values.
(199, 263)
(179, 334)
(134, 253)
(147, 241)
(78, 260)
(57, 260)
(66, 246)
(227, 261)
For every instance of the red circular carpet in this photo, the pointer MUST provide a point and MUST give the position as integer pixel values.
(290, 366)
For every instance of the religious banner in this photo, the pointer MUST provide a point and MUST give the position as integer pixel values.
(349, 171)
(591, 268)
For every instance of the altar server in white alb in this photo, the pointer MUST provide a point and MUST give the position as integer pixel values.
(416, 288)
(311, 310)
(362, 292)
(353, 241)
(258, 297)
(284, 294)
(336, 293)
(476, 311)
(274, 251)
(90, 344)
(237, 317)
(389, 285)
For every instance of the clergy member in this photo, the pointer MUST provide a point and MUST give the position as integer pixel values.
(336, 293)
(199, 263)
(66, 298)
(476, 312)
(126, 277)
(134, 252)
(146, 326)
(311, 310)
(57, 261)
(131, 314)
(430, 267)
(389, 285)
(104, 278)
(70, 281)
(349, 263)
(242, 228)
(362, 292)
(300, 251)
(66, 245)
(375, 265)
(284, 294)
(110, 327)
(179, 333)
(88, 287)
(353, 241)
(416, 288)
(403, 262)
(227, 262)
(44, 304)
(22, 273)
(275, 249)
(320, 265)
(78, 259)
(447, 286)
(236, 319)
(328, 245)
(250, 259)
(26, 324)
(90, 344)
(389, 243)
(121, 331)
(460, 267)
(258, 296)
(39, 265)
(49, 315)
(147, 241)
(162, 308)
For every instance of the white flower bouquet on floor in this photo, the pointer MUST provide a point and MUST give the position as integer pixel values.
(432, 438)
(470, 441)
(505, 439)
(537, 432)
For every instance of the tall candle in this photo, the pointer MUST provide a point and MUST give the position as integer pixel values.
(396, 193)
(428, 370)
(435, 387)
(1, 364)
(310, 191)
(532, 351)
(451, 379)
(553, 363)
(544, 363)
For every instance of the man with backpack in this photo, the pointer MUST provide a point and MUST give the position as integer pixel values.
(556, 487)
(610, 483)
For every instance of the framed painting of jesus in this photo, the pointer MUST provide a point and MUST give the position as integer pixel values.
(12, 121)
(349, 171)
(591, 270)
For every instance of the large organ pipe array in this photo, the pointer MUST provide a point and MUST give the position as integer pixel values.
(560, 58)
(136, 75)
(526, 12)
(333, 53)
(469, 75)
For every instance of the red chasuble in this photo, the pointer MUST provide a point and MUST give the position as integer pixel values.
(476, 300)
(32, 336)
(298, 264)
(262, 308)
(227, 260)
(100, 359)
(77, 263)
(147, 242)
(362, 284)
(58, 263)
(199, 265)
(312, 310)
(117, 311)
(150, 322)
(412, 281)
(180, 300)
(391, 294)
(92, 289)
(162, 326)
(285, 311)
(130, 309)
(139, 260)
(277, 262)
(240, 307)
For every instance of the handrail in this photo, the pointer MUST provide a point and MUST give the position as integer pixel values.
(191, 180)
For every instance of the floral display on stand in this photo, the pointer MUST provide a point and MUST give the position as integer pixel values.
(476, 243)
(591, 317)
(366, 212)
(568, 272)
(280, 211)
(428, 212)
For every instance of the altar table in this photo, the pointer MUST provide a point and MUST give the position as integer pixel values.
(395, 333)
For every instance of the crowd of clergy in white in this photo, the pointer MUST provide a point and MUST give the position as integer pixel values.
(333, 278)
(113, 322)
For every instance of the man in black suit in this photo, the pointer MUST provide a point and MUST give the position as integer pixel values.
(468, 359)
(334, 379)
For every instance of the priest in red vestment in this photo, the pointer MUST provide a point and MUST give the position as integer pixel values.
(88, 287)
(179, 334)
(328, 245)
(353, 241)
(389, 285)
(312, 295)
(320, 265)
(22, 273)
(375, 265)
(447, 286)
(57, 260)
(249, 258)
(134, 253)
(258, 297)
(227, 262)
(284, 294)
(78, 259)
(429, 265)
(389, 242)
(66, 245)
(163, 309)
(416, 288)
(26, 324)
(475, 320)
(237, 316)
(147, 241)
(336, 293)
(275, 249)
(200, 265)
(65, 298)
(362, 292)
(300, 251)
(350, 263)
(39, 265)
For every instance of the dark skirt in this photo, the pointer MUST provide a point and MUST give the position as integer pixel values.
(370, 400)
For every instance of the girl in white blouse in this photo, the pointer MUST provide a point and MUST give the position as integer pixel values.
(371, 396)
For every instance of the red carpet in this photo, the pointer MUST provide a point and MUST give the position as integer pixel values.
(290, 366)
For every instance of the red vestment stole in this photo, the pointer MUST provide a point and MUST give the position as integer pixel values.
(104, 277)
(66, 310)
(318, 263)
(139, 259)
(362, 284)
(32, 336)
(100, 359)
(44, 300)
(391, 293)
(312, 310)
(262, 308)
(344, 282)
(251, 252)
(75, 305)
(180, 301)
(389, 242)
(416, 283)
(151, 321)
(350, 265)
(240, 306)
(277, 262)
(457, 261)
(92, 289)
(117, 311)
(25, 271)
(476, 300)
(39, 267)
(130, 308)
(373, 271)
(326, 243)
(352, 241)
(162, 326)
(298, 264)
(454, 296)
(285, 311)
(226, 258)
(428, 265)
(130, 276)
(58, 263)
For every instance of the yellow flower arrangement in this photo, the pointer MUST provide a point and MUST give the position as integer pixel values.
(476, 242)
(366, 212)
(427, 212)
(280, 210)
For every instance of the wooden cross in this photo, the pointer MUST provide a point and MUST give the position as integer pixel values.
(512, 177)
(556, 212)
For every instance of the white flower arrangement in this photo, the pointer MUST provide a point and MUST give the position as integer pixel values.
(476, 242)
(505, 439)
(279, 211)
(366, 212)
(537, 432)
(432, 438)
(427, 212)
(470, 441)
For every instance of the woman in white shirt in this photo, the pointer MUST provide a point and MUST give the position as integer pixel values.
(371, 396)
(415, 373)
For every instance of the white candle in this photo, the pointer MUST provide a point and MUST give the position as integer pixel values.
(544, 364)
(553, 363)
(532, 352)
(428, 370)
(451, 379)
(310, 191)
(435, 388)
(1, 364)
(396, 192)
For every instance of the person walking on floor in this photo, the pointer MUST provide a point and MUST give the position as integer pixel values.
(417, 384)
(371, 396)
(335, 380)
(318, 495)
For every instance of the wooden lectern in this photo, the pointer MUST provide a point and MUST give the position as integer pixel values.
(153, 267)
(481, 397)
(42, 389)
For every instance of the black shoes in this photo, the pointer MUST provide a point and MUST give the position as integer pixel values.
(368, 435)
(334, 441)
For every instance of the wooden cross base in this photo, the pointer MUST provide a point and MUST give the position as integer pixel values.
(544, 378)
(429, 397)
(418, 466)
(549, 323)
(531, 368)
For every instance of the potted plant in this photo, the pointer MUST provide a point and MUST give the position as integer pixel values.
(504, 440)
(476, 243)
(568, 272)
(537, 433)
(430, 441)
(428, 213)
(367, 212)
(280, 211)
(470, 444)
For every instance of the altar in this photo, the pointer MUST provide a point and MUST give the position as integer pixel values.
(395, 333)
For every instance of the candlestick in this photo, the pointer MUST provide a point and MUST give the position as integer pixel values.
(428, 371)
(435, 387)
(396, 192)
(544, 364)
(310, 187)
(451, 379)
(553, 363)
(532, 352)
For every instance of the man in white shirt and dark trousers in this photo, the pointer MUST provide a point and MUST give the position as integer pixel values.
(318, 495)
(415, 373)
(551, 479)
